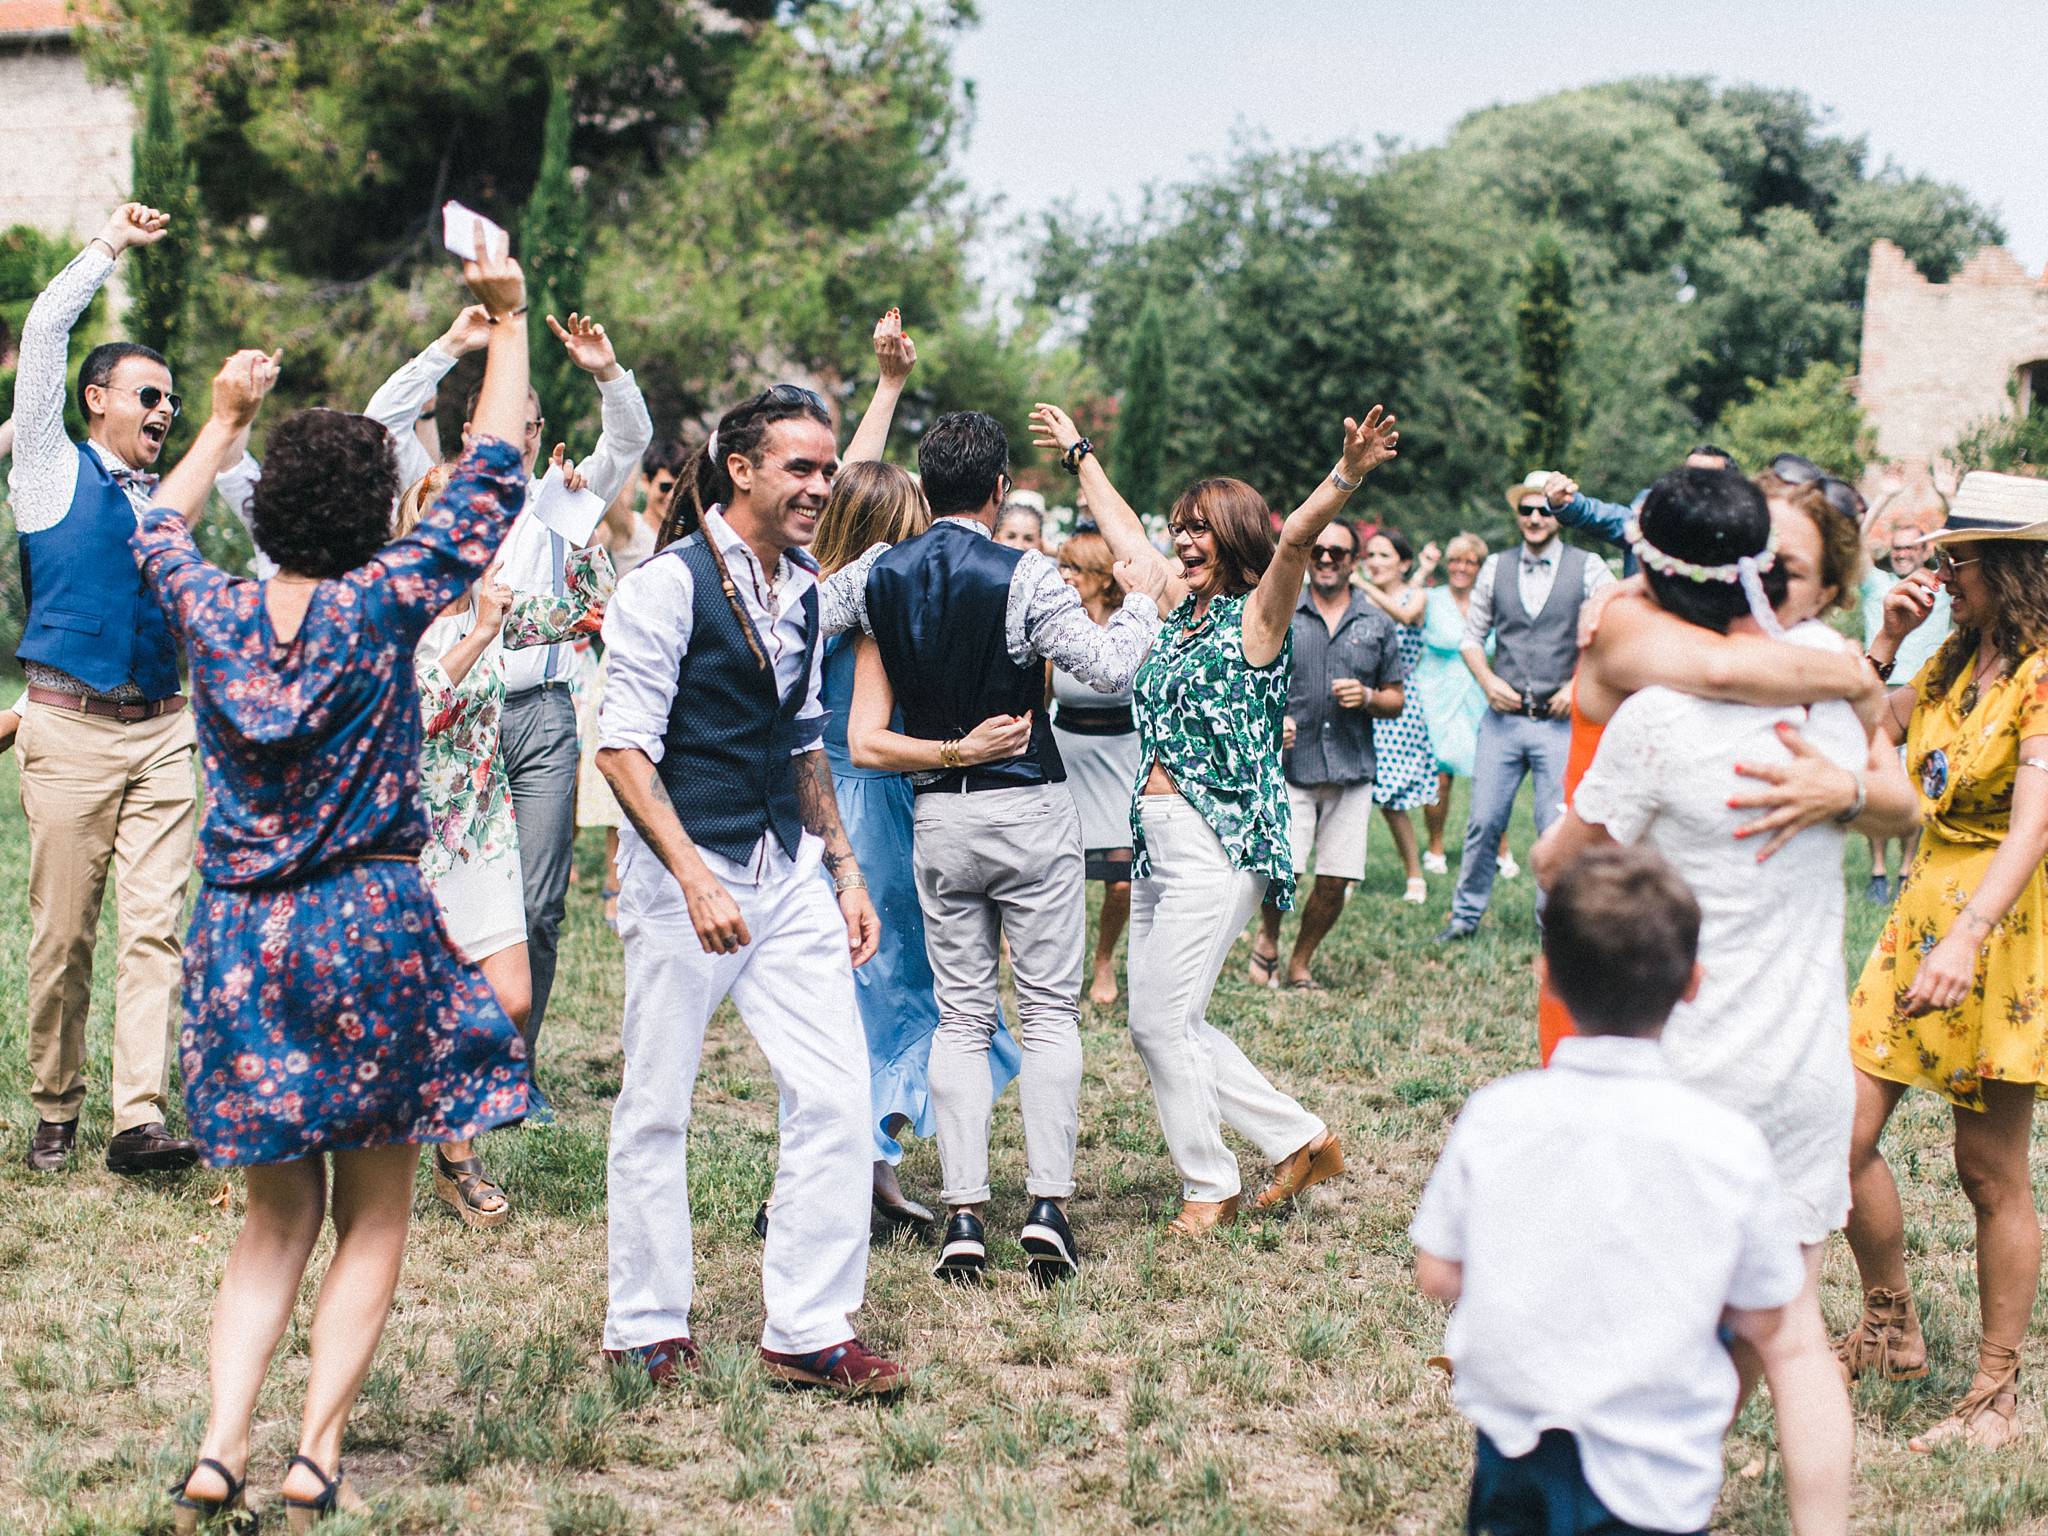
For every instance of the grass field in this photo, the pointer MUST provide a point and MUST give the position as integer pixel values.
(1274, 1381)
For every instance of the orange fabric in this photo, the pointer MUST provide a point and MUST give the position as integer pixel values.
(1553, 1019)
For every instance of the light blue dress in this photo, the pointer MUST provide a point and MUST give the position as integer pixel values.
(894, 989)
(1452, 700)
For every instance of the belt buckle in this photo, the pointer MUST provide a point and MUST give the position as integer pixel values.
(129, 712)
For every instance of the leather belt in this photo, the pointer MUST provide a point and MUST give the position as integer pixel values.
(129, 712)
(1099, 720)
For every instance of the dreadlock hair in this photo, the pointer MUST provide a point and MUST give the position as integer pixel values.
(739, 431)
(2017, 574)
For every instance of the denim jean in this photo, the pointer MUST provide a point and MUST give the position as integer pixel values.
(1511, 748)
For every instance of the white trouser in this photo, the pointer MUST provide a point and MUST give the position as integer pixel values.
(1185, 915)
(793, 986)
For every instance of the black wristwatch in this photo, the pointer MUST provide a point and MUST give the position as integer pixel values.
(1882, 668)
(1070, 461)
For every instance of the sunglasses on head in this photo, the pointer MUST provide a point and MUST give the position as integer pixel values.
(1797, 469)
(151, 397)
(794, 394)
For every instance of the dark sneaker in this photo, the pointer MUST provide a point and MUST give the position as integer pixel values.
(964, 1254)
(49, 1145)
(150, 1148)
(1877, 892)
(1455, 933)
(1049, 1250)
(663, 1361)
(761, 1222)
(850, 1369)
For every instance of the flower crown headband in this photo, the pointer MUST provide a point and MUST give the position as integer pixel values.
(1747, 572)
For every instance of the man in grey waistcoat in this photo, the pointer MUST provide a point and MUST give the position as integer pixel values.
(1528, 599)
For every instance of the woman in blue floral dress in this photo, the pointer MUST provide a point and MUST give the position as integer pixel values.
(1209, 821)
(327, 1012)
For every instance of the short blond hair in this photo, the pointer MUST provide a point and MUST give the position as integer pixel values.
(1466, 544)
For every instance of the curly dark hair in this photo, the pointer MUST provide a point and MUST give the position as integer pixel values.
(2016, 572)
(742, 430)
(323, 506)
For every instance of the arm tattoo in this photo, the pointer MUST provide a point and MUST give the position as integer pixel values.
(818, 808)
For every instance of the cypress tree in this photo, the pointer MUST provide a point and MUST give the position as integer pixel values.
(163, 179)
(552, 249)
(1545, 320)
(1141, 424)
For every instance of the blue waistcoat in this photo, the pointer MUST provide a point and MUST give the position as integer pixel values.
(89, 612)
(728, 759)
(938, 605)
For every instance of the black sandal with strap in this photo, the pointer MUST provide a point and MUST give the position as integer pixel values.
(334, 1495)
(465, 1186)
(194, 1511)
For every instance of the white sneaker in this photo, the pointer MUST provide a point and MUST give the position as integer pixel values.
(1435, 864)
(1417, 892)
(1509, 868)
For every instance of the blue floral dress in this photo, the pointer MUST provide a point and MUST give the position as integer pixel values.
(1405, 776)
(325, 1008)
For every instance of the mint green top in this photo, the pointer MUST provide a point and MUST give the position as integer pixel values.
(1212, 720)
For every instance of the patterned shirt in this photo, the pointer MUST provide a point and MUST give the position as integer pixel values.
(1212, 720)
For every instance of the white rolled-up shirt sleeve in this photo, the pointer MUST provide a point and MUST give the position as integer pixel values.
(399, 403)
(627, 432)
(646, 634)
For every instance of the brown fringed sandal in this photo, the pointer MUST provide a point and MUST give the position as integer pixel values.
(1988, 1416)
(1886, 1339)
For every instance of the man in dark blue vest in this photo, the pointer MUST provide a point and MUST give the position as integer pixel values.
(711, 737)
(106, 746)
(963, 627)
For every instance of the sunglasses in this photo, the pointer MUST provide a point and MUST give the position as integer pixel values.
(1797, 469)
(794, 394)
(151, 397)
(1536, 509)
(1946, 564)
(1330, 554)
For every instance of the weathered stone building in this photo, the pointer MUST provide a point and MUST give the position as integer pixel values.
(1939, 358)
(65, 141)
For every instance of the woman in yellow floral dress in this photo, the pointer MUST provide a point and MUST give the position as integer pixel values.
(1952, 999)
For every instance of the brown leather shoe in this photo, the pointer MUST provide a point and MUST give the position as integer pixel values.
(150, 1148)
(49, 1145)
(1198, 1218)
(1322, 1158)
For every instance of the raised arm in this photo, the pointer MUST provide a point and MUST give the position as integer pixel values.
(895, 356)
(1122, 528)
(402, 399)
(628, 430)
(1575, 509)
(1367, 445)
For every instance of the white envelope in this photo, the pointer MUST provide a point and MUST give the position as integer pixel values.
(572, 514)
(458, 231)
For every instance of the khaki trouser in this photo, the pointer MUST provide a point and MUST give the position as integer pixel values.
(96, 792)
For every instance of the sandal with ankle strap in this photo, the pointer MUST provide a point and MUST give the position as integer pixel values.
(1993, 1399)
(1886, 1338)
(335, 1496)
(467, 1188)
(194, 1511)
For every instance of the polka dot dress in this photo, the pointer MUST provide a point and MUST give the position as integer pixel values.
(1405, 778)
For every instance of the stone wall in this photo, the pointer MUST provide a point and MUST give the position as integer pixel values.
(67, 157)
(1940, 357)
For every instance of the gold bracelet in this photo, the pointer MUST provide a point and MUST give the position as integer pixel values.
(949, 754)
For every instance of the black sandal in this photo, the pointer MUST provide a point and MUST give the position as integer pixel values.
(193, 1511)
(334, 1495)
(465, 1186)
(1270, 964)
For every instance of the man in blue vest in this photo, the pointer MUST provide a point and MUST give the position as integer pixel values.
(106, 746)
(711, 736)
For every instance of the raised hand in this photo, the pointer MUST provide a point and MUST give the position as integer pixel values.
(587, 345)
(493, 601)
(495, 279)
(1053, 428)
(1148, 576)
(1908, 604)
(134, 224)
(895, 353)
(238, 389)
(1370, 443)
(469, 331)
(1559, 489)
(572, 477)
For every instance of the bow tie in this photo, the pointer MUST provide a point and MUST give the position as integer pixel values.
(133, 480)
(1535, 562)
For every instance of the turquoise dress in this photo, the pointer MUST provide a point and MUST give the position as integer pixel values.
(898, 1011)
(1452, 700)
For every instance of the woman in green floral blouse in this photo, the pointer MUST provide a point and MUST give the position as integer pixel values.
(1209, 821)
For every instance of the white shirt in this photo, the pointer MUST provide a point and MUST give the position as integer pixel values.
(1606, 1216)
(1768, 1035)
(1535, 576)
(646, 634)
(44, 476)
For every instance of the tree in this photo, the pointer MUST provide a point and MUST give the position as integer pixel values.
(1545, 340)
(2013, 444)
(1814, 414)
(551, 248)
(1142, 419)
(163, 179)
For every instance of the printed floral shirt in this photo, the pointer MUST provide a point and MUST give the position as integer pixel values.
(1212, 720)
(462, 778)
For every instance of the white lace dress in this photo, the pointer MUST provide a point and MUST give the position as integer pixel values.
(1769, 1032)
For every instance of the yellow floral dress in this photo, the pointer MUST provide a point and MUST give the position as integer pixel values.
(1965, 762)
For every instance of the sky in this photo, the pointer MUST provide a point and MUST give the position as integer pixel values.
(1092, 101)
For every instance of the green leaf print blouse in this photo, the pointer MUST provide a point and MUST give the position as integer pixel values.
(1212, 720)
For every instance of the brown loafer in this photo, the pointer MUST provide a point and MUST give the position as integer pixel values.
(150, 1148)
(1322, 1158)
(1200, 1217)
(49, 1145)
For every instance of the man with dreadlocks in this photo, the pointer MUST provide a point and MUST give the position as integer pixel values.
(711, 737)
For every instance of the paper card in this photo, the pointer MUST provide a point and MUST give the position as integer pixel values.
(572, 514)
(458, 231)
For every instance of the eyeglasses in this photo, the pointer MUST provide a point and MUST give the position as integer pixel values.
(1844, 498)
(151, 397)
(1193, 530)
(1946, 564)
(536, 426)
(1330, 554)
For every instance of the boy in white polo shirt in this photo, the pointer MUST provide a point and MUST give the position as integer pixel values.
(1599, 1226)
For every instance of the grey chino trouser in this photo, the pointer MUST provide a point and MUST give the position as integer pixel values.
(537, 737)
(1004, 862)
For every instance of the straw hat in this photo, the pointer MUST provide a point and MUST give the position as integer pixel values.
(1531, 484)
(1992, 506)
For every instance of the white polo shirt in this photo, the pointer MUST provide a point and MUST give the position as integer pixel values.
(1606, 1216)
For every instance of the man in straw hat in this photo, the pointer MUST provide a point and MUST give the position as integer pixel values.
(1528, 599)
